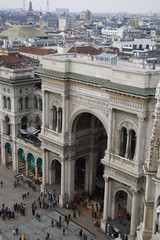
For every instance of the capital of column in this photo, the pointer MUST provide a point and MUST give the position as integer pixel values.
(106, 179)
(141, 118)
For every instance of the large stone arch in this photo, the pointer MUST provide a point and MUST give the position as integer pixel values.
(114, 207)
(52, 168)
(96, 113)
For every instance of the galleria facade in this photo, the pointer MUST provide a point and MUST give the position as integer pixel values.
(88, 124)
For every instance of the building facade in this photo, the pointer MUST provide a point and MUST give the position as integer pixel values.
(94, 129)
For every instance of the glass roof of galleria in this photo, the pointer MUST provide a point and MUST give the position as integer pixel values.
(106, 58)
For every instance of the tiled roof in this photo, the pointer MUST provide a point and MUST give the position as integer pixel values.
(105, 84)
(36, 50)
(86, 50)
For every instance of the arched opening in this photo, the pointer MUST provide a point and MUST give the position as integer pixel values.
(40, 104)
(132, 144)
(4, 102)
(157, 220)
(39, 170)
(91, 138)
(8, 151)
(21, 161)
(31, 166)
(24, 123)
(26, 103)
(9, 103)
(123, 205)
(54, 118)
(38, 123)
(7, 126)
(123, 142)
(55, 172)
(21, 104)
(35, 103)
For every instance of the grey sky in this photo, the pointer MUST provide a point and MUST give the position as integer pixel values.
(142, 6)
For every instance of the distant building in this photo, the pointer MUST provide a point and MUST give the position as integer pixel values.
(35, 52)
(30, 15)
(86, 15)
(66, 22)
(60, 11)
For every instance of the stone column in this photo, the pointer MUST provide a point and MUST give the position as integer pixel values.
(134, 214)
(62, 179)
(27, 165)
(71, 178)
(110, 131)
(87, 174)
(105, 208)
(63, 196)
(43, 171)
(63, 115)
(139, 140)
(46, 109)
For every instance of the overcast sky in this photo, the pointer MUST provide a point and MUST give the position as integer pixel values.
(136, 6)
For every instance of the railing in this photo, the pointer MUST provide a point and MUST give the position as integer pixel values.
(123, 161)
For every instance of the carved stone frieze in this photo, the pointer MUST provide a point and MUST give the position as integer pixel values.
(90, 102)
(120, 174)
(123, 102)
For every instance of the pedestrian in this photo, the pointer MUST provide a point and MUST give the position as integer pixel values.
(52, 223)
(14, 232)
(67, 221)
(1, 183)
(74, 214)
(79, 212)
(63, 231)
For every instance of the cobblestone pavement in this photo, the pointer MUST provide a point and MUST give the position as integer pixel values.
(9, 195)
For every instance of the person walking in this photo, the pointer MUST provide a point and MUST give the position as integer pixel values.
(14, 232)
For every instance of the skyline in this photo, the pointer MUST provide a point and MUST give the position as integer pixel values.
(136, 6)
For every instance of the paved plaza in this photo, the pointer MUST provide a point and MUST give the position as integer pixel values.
(33, 229)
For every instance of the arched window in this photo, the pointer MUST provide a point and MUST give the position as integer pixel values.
(132, 144)
(9, 103)
(4, 102)
(26, 103)
(59, 120)
(123, 142)
(35, 103)
(40, 104)
(24, 123)
(21, 104)
(38, 123)
(7, 128)
(54, 118)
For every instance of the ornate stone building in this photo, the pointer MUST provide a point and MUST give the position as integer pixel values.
(95, 113)
(150, 227)
(96, 123)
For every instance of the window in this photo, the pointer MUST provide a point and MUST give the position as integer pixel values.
(123, 141)
(35, 103)
(21, 104)
(40, 104)
(54, 118)
(9, 103)
(26, 103)
(4, 102)
(24, 123)
(38, 123)
(8, 128)
(132, 144)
